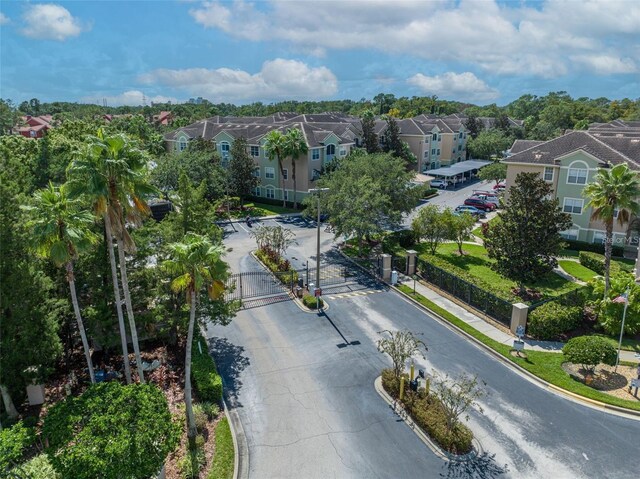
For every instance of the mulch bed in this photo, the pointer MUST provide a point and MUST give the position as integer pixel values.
(606, 380)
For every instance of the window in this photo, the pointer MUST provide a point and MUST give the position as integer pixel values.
(269, 172)
(315, 154)
(577, 176)
(433, 152)
(256, 191)
(571, 234)
(182, 145)
(599, 237)
(426, 154)
(270, 193)
(573, 206)
(224, 148)
(285, 174)
(256, 172)
(438, 152)
(435, 137)
(255, 150)
(343, 152)
(548, 173)
(331, 150)
(439, 137)
(459, 147)
(286, 195)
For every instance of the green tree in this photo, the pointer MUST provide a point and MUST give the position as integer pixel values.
(60, 232)
(392, 141)
(195, 264)
(428, 225)
(294, 146)
(242, 176)
(589, 351)
(488, 144)
(610, 312)
(457, 396)
(112, 176)
(529, 214)
(614, 190)
(458, 227)
(367, 194)
(473, 125)
(275, 148)
(496, 172)
(369, 137)
(400, 346)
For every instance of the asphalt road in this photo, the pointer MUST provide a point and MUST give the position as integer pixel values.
(304, 393)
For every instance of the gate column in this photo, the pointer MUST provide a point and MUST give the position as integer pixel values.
(386, 267)
(411, 262)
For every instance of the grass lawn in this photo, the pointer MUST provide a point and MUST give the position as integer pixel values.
(223, 460)
(628, 344)
(477, 263)
(478, 231)
(260, 209)
(577, 270)
(547, 366)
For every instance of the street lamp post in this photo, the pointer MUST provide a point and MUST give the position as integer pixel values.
(624, 315)
(318, 190)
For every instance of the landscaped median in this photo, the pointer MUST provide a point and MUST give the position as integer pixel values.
(543, 365)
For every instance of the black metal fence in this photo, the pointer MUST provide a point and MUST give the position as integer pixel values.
(575, 297)
(399, 263)
(482, 300)
(254, 284)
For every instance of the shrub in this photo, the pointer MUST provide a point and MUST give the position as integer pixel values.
(37, 468)
(311, 302)
(13, 443)
(593, 247)
(191, 463)
(595, 262)
(210, 409)
(280, 267)
(589, 351)
(111, 431)
(610, 312)
(206, 379)
(552, 319)
(201, 417)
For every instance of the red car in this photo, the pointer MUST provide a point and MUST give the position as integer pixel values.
(480, 204)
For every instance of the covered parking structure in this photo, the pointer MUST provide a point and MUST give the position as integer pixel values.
(459, 172)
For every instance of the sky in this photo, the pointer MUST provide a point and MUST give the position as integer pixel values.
(236, 51)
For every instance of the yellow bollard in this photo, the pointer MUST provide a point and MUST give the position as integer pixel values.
(411, 374)
(401, 388)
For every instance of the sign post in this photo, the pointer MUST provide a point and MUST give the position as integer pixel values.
(318, 294)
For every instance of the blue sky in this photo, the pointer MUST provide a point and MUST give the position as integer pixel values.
(481, 51)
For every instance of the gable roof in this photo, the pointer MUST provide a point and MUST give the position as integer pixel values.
(521, 145)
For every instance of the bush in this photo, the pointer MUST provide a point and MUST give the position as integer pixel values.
(212, 410)
(589, 351)
(37, 468)
(191, 463)
(427, 411)
(595, 262)
(206, 379)
(552, 319)
(311, 302)
(593, 247)
(280, 268)
(111, 431)
(14, 442)
(201, 417)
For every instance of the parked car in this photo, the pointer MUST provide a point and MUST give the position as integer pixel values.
(480, 204)
(439, 183)
(500, 186)
(490, 198)
(472, 210)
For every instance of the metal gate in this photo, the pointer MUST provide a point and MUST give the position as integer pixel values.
(256, 284)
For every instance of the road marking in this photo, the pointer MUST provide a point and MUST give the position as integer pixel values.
(585, 456)
(352, 294)
(240, 225)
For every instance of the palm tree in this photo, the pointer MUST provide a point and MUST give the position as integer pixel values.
(195, 264)
(60, 232)
(111, 174)
(275, 147)
(295, 145)
(615, 189)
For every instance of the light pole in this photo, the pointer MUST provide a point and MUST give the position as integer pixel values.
(624, 315)
(318, 190)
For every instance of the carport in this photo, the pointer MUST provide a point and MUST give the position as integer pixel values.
(460, 172)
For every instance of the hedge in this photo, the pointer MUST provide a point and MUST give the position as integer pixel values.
(595, 262)
(552, 319)
(14, 441)
(593, 247)
(589, 351)
(283, 272)
(427, 411)
(311, 303)
(206, 380)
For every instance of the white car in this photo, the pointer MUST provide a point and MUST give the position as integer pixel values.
(439, 183)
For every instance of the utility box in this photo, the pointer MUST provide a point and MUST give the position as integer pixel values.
(35, 394)
(394, 277)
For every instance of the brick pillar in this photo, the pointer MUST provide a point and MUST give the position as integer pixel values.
(519, 316)
(412, 259)
(386, 267)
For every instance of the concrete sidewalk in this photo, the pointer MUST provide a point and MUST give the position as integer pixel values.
(494, 332)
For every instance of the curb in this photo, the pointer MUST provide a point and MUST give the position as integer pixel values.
(588, 402)
(397, 408)
(241, 450)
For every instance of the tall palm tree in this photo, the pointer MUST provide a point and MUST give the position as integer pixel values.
(275, 147)
(615, 189)
(60, 232)
(295, 145)
(112, 175)
(195, 264)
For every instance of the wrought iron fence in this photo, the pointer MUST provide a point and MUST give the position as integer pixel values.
(575, 297)
(399, 263)
(254, 284)
(482, 300)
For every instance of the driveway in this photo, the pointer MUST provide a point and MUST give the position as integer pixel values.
(303, 387)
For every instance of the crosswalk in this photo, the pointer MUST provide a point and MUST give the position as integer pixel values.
(352, 294)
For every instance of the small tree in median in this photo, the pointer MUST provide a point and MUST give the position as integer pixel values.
(459, 227)
(428, 225)
(589, 351)
(457, 396)
(400, 346)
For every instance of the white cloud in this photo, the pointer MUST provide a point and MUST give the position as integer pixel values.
(512, 38)
(459, 86)
(50, 22)
(3, 19)
(606, 64)
(278, 79)
(129, 98)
